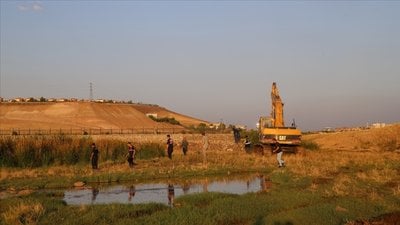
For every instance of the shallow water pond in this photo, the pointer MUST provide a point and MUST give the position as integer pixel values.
(163, 192)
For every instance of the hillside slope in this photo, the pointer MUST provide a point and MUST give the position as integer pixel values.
(69, 115)
(387, 138)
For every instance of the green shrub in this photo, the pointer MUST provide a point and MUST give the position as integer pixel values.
(171, 120)
(118, 151)
(47, 154)
(150, 150)
(72, 157)
(7, 152)
(253, 135)
(28, 157)
(310, 145)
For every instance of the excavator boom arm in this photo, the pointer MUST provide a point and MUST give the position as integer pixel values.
(277, 107)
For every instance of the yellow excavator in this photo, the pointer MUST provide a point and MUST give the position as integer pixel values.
(273, 127)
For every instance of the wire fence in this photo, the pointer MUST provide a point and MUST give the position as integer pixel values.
(91, 131)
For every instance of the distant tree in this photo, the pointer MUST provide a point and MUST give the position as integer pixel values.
(32, 99)
(153, 118)
(165, 120)
(42, 99)
(202, 127)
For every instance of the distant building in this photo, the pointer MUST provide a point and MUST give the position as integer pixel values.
(215, 125)
(378, 125)
(242, 127)
(18, 100)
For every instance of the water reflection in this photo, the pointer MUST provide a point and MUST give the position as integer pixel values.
(265, 183)
(132, 191)
(185, 187)
(171, 195)
(205, 185)
(155, 192)
(95, 192)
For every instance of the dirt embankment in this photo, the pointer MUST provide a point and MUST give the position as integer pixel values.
(67, 115)
(387, 138)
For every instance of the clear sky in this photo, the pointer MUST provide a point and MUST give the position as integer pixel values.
(336, 63)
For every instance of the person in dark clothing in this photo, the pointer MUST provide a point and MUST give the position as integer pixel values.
(94, 156)
(185, 145)
(170, 146)
(236, 134)
(131, 154)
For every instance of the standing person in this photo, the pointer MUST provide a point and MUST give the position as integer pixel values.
(170, 146)
(185, 145)
(131, 154)
(247, 144)
(94, 156)
(276, 148)
(205, 147)
(236, 134)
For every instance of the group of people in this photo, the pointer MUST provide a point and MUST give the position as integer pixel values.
(185, 145)
(130, 156)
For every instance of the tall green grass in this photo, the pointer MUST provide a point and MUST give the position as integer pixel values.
(150, 150)
(43, 150)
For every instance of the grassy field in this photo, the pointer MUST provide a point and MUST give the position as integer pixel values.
(350, 182)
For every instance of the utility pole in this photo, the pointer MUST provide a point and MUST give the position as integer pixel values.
(91, 92)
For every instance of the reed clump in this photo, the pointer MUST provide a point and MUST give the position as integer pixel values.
(45, 150)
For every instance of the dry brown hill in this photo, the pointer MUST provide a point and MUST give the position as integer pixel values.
(387, 138)
(72, 115)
